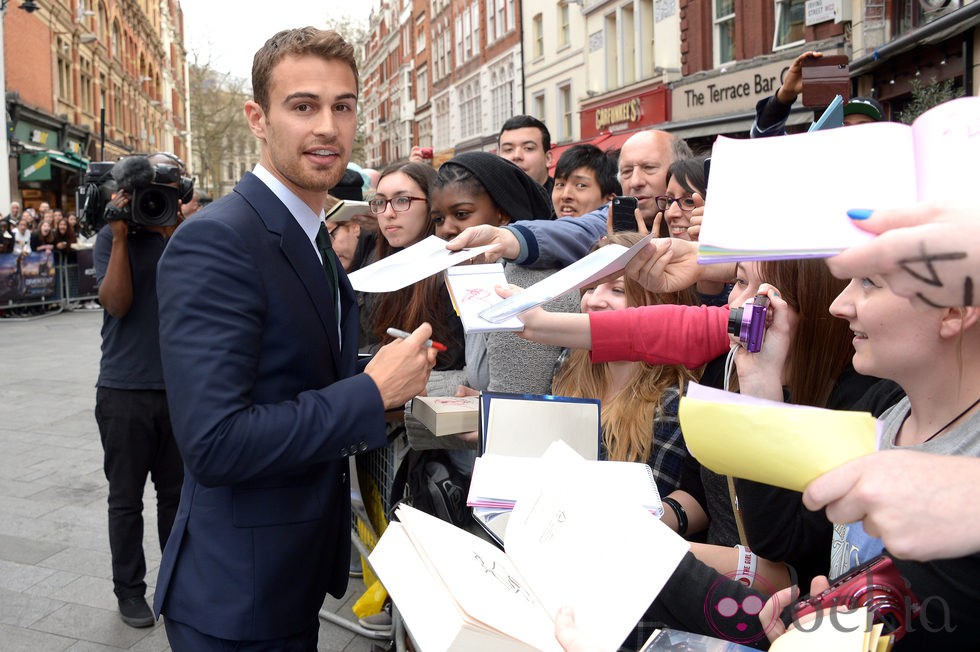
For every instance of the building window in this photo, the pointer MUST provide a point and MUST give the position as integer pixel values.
(628, 37)
(502, 93)
(565, 112)
(539, 108)
(611, 37)
(492, 23)
(85, 83)
(442, 123)
(724, 31)
(537, 34)
(116, 41)
(790, 16)
(564, 30)
(467, 35)
(459, 39)
(64, 70)
(469, 108)
(419, 36)
(422, 85)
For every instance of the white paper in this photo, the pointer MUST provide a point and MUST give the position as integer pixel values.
(526, 428)
(563, 537)
(604, 261)
(410, 265)
(811, 180)
(473, 289)
(481, 579)
(498, 480)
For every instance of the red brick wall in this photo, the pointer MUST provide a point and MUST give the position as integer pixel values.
(32, 76)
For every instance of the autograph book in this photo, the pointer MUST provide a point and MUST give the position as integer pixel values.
(459, 592)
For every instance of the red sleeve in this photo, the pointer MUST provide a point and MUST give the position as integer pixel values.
(664, 334)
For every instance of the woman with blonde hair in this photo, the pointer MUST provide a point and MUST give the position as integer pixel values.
(639, 399)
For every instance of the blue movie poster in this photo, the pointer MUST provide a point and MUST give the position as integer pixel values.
(27, 278)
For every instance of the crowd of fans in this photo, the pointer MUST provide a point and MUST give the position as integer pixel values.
(635, 342)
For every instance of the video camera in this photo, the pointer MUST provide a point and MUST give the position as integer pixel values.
(154, 198)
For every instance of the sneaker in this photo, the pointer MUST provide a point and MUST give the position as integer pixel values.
(378, 622)
(135, 612)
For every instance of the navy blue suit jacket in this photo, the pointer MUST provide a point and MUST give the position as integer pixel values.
(266, 407)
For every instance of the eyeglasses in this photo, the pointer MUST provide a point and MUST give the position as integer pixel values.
(398, 204)
(686, 203)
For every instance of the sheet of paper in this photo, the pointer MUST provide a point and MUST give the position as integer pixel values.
(812, 180)
(562, 537)
(775, 443)
(410, 265)
(947, 144)
(498, 480)
(525, 428)
(599, 264)
(845, 631)
(473, 289)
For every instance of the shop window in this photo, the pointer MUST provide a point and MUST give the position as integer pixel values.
(790, 16)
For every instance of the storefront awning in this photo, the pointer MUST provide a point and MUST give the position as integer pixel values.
(605, 142)
(36, 166)
(728, 124)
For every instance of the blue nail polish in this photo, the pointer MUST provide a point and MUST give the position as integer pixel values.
(859, 213)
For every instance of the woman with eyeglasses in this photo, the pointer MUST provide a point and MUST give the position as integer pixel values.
(401, 205)
(686, 189)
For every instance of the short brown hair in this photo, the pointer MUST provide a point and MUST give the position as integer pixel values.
(326, 44)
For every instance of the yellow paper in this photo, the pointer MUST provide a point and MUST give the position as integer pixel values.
(785, 446)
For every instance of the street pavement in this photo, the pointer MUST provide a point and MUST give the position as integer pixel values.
(55, 574)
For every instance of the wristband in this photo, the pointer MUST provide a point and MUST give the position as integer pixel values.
(679, 513)
(745, 565)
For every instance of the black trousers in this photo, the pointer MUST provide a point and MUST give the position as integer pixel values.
(184, 638)
(137, 440)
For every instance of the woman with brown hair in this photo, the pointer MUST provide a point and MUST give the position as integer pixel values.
(402, 207)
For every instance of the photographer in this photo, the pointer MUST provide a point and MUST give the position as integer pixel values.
(131, 404)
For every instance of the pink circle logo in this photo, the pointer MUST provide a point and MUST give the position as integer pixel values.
(738, 621)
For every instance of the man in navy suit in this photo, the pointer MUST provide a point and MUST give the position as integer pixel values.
(259, 339)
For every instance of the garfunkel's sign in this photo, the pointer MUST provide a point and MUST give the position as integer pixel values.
(629, 111)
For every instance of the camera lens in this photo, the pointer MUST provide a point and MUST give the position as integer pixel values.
(735, 321)
(155, 206)
(152, 205)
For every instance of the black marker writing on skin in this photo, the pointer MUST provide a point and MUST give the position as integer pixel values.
(928, 260)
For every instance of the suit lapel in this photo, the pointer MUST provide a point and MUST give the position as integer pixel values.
(300, 254)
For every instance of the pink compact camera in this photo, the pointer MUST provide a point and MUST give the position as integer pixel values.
(875, 584)
(425, 152)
